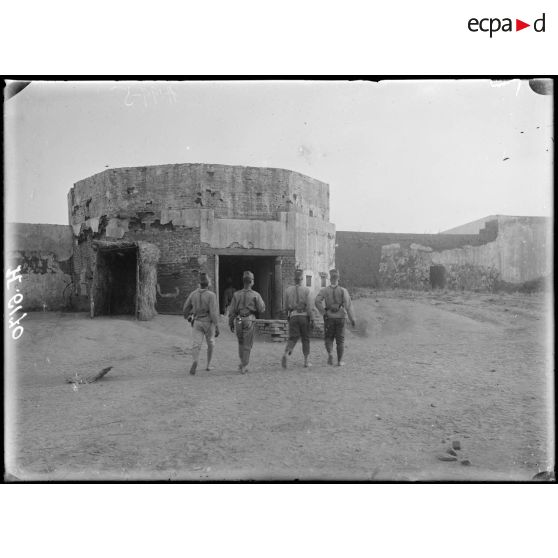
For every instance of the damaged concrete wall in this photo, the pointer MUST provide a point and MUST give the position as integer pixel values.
(467, 268)
(315, 249)
(505, 252)
(248, 233)
(191, 211)
(358, 254)
(519, 254)
(44, 253)
(230, 191)
(473, 227)
(312, 240)
(526, 248)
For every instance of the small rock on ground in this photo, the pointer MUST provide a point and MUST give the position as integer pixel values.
(446, 457)
(456, 445)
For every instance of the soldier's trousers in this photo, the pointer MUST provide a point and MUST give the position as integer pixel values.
(245, 330)
(203, 329)
(299, 329)
(335, 329)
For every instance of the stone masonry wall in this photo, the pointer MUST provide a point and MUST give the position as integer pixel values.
(44, 253)
(358, 254)
(513, 251)
(409, 268)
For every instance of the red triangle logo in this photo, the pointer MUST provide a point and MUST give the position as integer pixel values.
(519, 25)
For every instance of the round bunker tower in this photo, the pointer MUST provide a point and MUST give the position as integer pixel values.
(142, 234)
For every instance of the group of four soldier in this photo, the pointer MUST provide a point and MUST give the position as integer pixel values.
(332, 302)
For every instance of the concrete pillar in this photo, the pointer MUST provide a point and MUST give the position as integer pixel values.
(277, 289)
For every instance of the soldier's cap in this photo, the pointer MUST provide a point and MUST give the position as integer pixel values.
(334, 272)
(298, 273)
(203, 278)
(248, 275)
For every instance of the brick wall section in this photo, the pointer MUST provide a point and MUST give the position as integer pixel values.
(275, 330)
(358, 254)
(182, 257)
(83, 264)
(278, 330)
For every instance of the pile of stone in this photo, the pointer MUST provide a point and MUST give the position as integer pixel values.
(451, 454)
(276, 330)
(317, 329)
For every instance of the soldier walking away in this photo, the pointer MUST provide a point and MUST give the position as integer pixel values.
(299, 310)
(337, 307)
(242, 317)
(200, 309)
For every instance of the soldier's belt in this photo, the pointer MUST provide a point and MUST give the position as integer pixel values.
(245, 313)
(334, 307)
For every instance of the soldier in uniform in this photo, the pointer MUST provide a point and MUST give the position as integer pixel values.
(299, 309)
(337, 308)
(200, 309)
(242, 316)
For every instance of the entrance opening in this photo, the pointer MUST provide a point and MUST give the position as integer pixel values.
(231, 269)
(116, 281)
(437, 276)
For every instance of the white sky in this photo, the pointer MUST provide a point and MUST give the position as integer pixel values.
(399, 156)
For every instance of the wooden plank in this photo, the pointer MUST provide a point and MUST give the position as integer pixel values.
(248, 252)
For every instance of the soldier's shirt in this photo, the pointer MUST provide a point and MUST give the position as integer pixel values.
(337, 295)
(203, 304)
(246, 298)
(297, 296)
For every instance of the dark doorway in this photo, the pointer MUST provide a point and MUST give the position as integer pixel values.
(231, 269)
(117, 281)
(437, 276)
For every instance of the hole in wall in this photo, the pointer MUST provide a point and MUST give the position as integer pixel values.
(437, 276)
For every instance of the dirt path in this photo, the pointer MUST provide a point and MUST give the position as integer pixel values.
(428, 370)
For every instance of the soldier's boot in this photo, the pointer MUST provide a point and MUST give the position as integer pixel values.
(330, 359)
(306, 363)
(209, 356)
(284, 357)
(193, 367)
(244, 361)
(340, 351)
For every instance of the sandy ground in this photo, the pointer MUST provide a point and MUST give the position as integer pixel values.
(423, 370)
